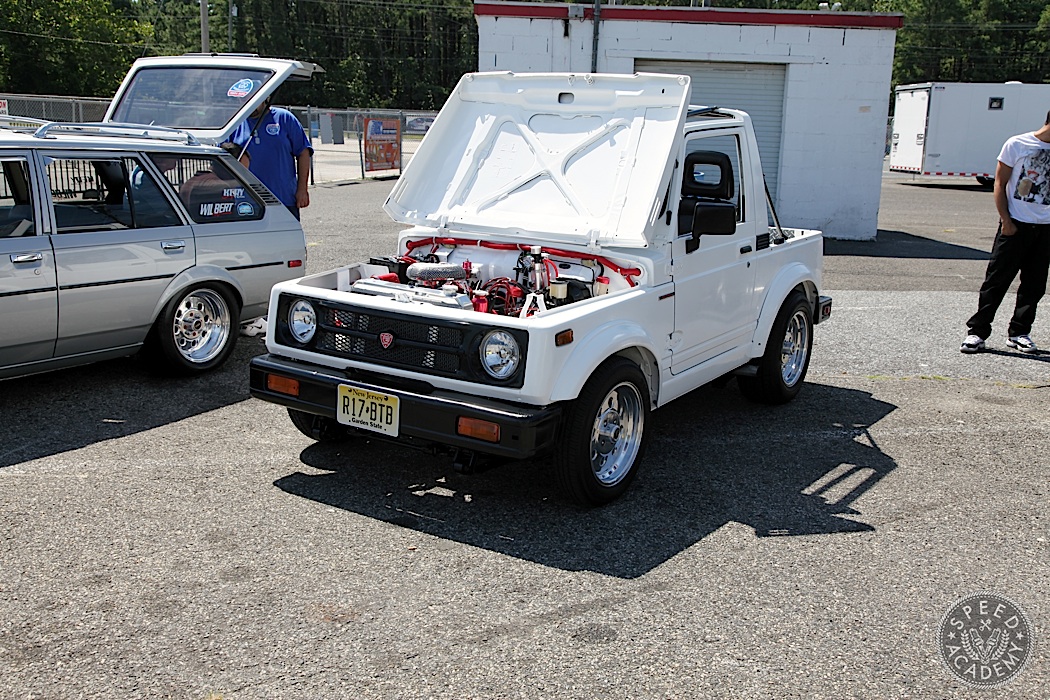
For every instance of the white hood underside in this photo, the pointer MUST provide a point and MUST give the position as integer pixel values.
(581, 159)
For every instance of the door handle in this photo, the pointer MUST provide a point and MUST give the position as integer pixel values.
(26, 257)
(172, 245)
(745, 248)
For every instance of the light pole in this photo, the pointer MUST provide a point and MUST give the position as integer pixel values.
(205, 47)
(229, 25)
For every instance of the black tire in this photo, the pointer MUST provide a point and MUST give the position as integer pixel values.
(196, 331)
(988, 182)
(317, 427)
(783, 366)
(603, 436)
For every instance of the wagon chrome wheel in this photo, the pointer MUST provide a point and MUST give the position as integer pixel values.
(795, 350)
(195, 332)
(617, 434)
(201, 326)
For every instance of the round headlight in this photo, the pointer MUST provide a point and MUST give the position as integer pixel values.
(302, 321)
(500, 355)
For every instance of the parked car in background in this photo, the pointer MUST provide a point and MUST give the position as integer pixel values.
(118, 236)
(418, 125)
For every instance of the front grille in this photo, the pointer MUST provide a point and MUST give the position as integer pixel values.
(414, 344)
(430, 346)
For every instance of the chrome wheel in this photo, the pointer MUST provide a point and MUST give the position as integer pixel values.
(201, 325)
(616, 436)
(781, 371)
(601, 441)
(795, 348)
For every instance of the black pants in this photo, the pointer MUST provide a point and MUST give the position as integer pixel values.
(1027, 252)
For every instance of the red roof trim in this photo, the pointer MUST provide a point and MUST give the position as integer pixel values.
(695, 15)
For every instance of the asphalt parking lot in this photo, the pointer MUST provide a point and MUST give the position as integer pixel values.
(178, 539)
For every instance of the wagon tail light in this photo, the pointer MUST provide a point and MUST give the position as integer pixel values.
(295, 263)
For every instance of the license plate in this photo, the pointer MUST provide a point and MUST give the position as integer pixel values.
(368, 410)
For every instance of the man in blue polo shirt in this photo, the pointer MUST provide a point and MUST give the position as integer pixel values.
(278, 153)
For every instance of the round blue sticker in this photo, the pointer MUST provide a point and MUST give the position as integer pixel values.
(245, 209)
(242, 88)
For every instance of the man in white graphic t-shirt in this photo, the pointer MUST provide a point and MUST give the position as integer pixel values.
(1022, 244)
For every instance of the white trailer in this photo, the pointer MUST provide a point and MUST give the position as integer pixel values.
(957, 129)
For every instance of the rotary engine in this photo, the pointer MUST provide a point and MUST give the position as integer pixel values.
(497, 278)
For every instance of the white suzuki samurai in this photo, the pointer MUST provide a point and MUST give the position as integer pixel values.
(579, 250)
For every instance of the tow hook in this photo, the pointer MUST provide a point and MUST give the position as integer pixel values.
(468, 462)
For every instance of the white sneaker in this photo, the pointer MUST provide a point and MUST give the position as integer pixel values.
(972, 344)
(254, 328)
(1024, 343)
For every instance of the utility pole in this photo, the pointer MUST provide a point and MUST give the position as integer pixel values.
(594, 46)
(205, 46)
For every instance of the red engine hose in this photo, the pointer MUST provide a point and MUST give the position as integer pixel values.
(626, 272)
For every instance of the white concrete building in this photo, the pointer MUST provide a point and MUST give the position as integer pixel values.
(817, 85)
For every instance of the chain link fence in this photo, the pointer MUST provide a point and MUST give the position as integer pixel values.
(337, 135)
(53, 108)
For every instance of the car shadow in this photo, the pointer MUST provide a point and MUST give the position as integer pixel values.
(712, 459)
(898, 244)
(54, 412)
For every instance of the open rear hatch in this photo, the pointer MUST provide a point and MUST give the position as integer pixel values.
(207, 95)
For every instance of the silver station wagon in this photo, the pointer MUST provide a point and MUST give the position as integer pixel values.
(138, 233)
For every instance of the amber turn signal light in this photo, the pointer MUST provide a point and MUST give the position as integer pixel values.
(282, 385)
(477, 428)
(563, 338)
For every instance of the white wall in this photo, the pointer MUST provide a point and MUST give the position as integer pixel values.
(836, 96)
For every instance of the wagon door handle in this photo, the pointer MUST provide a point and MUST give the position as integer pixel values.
(26, 257)
(172, 245)
(745, 249)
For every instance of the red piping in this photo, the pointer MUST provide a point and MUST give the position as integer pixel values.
(626, 272)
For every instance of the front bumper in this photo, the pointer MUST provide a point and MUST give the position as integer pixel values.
(428, 415)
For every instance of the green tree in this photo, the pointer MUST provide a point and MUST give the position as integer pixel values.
(67, 47)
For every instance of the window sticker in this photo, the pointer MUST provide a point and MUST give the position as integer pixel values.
(245, 209)
(242, 88)
(216, 208)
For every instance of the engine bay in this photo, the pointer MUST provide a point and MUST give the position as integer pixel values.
(506, 279)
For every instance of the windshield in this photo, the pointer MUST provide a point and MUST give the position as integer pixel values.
(188, 97)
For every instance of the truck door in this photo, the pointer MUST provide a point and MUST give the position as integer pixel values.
(28, 287)
(713, 276)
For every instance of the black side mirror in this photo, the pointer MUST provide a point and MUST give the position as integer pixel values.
(712, 219)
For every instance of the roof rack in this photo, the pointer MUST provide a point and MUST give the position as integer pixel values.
(16, 123)
(141, 131)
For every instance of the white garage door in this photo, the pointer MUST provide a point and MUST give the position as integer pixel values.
(756, 88)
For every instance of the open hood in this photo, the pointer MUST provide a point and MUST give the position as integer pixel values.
(207, 95)
(557, 157)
